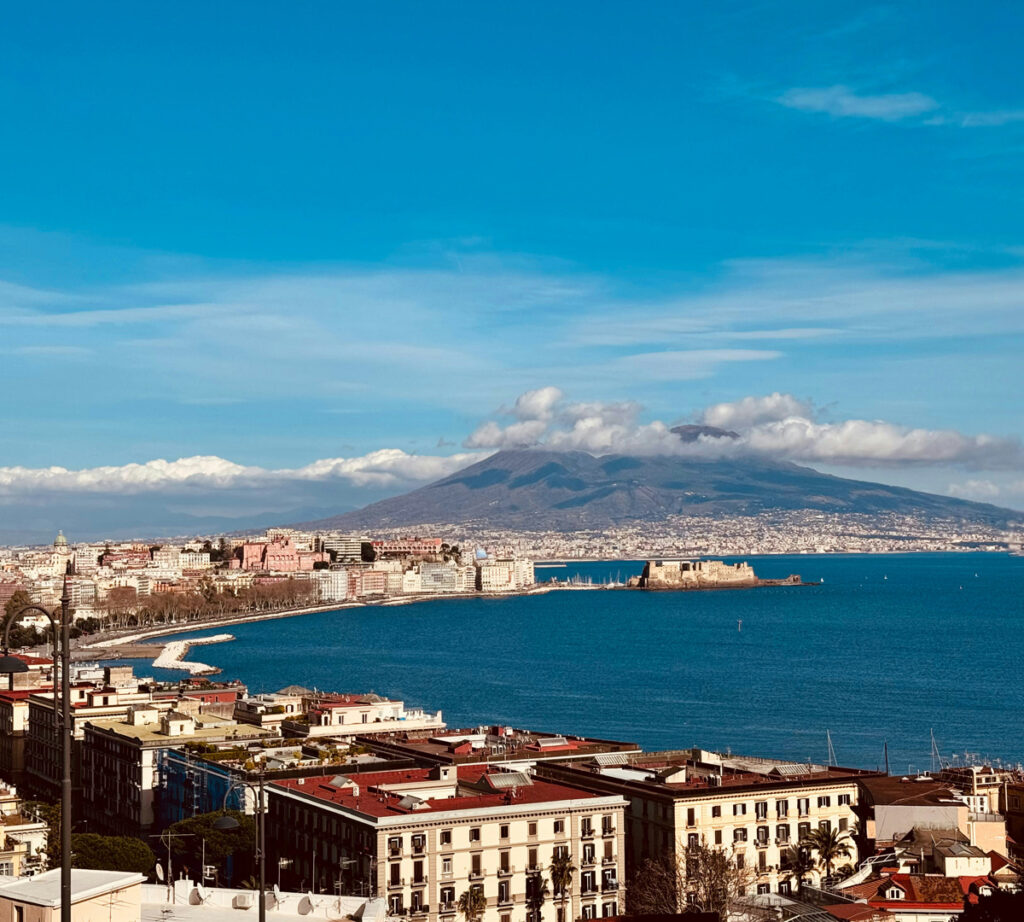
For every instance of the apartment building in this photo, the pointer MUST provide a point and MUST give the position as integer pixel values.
(121, 761)
(423, 837)
(350, 715)
(756, 808)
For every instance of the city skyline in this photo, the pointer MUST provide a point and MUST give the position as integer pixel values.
(334, 254)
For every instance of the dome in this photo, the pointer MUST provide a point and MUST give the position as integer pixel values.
(60, 540)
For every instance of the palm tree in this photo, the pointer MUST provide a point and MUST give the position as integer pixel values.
(562, 870)
(798, 861)
(473, 904)
(536, 893)
(830, 844)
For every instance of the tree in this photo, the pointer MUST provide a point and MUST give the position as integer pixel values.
(703, 878)
(111, 853)
(562, 870)
(830, 844)
(536, 894)
(238, 845)
(473, 904)
(798, 861)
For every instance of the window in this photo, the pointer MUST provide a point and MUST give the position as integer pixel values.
(844, 824)
(505, 917)
(718, 837)
(824, 825)
(894, 893)
(608, 850)
(607, 825)
(739, 809)
(762, 889)
(396, 904)
(588, 882)
(395, 845)
(784, 888)
(446, 865)
(588, 853)
(503, 891)
(763, 835)
(419, 842)
(739, 835)
(560, 851)
(503, 861)
(19, 911)
(803, 805)
(559, 827)
(532, 859)
(447, 898)
(692, 840)
(844, 800)
(474, 834)
(586, 827)
(824, 801)
(716, 811)
(589, 911)
(691, 816)
(609, 909)
(474, 867)
(503, 832)
(417, 872)
(446, 837)
(761, 809)
(417, 901)
(741, 862)
(396, 874)
(782, 833)
(803, 830)
(532, 829)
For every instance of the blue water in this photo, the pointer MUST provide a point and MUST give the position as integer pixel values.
(887, 649)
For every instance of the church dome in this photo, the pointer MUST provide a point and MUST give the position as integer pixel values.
(60, 540)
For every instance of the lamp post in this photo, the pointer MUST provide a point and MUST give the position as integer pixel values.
(60, 625)
(226, 823)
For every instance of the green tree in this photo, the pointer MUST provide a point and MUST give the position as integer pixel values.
(798, 861)
(111, 853)
(562, 870)
(187, 837)
(473, 904)
(536, 894)
(830, 844)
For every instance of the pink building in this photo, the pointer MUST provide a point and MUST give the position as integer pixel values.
(280, 556)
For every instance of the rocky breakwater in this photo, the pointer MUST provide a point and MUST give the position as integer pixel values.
(704, 574)
(173, 655)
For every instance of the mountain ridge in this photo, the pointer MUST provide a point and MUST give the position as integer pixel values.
(540, 489)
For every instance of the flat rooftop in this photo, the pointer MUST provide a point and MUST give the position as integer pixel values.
(397, 793)
(891, 790)
(44, 889)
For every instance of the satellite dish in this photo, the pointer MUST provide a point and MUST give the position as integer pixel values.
(160, 873)
(204, 894)
(277, 893)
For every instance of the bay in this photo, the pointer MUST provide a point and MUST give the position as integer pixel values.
(887, 649)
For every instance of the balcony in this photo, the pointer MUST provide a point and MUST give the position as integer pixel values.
(587, 832)
(782, 842)
(607, 830)
(588, 887)
(416, 881)
(609, 859)
(419, 910)
(610, 885)
(762, 843)
(446, 907)
(476, 875)
(395, 851)
(396, 884)
(506, 872)
(588, 861)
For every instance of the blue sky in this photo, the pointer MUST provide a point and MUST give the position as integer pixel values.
(272, 234)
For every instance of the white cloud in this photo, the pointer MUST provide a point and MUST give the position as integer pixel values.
(750, 411)
(992, 119)
(842, 102)
(538, 404)
(778, 426)
(388, 467)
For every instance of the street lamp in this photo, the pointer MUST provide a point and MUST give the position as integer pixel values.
(227, 823)
(60, 625)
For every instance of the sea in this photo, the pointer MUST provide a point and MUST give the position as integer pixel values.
(888, 651)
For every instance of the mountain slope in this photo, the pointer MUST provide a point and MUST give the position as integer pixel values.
(561, 491)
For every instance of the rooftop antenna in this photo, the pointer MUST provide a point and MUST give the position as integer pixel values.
(831, 751)
(936, 758)
(885, 750)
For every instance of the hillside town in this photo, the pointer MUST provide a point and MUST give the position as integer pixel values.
(370, 808)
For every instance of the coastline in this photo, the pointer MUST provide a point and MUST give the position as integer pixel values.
(172, 656)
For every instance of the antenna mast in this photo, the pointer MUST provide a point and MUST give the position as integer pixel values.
(831, 752)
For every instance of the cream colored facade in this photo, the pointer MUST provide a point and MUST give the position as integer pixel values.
(422, 861)
(96, 896)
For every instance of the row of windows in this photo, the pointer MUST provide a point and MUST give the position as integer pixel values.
(763, 834)
(803, 807)
(418, 841)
